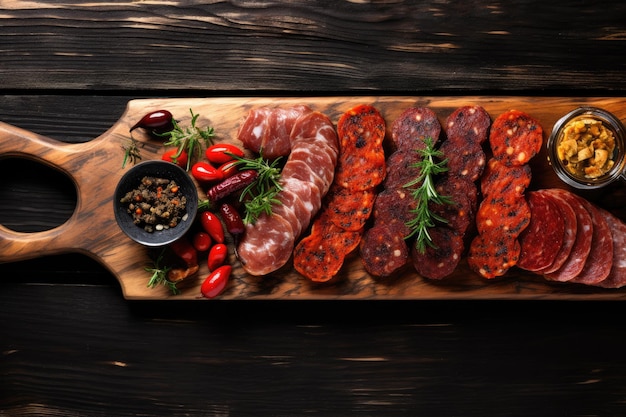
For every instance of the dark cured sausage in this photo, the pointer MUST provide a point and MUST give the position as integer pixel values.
(383, 248)
(268, 243)
(361, 168)
(570, 224)
(441, 260)
(617, 276)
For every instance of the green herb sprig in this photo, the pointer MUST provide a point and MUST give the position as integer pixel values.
(159, 275)
(189, 139)
(260, 196)
(424, 193)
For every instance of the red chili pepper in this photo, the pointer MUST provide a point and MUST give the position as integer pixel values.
(170, 156)
(205, 172)
(201, 241)
(228, 169)
(216, 281)
(220, 153)
(217, 256)
(185, 251)
(159, 121)
(212, 225)
(232, 184)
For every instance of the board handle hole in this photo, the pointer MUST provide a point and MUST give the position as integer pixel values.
(34, 197)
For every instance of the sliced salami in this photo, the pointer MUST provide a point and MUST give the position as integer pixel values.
(570, 224)
(492, 254)
(464, 159)
(468, 124)
(617, 276)
(515, 138)
(413, 125)
(441, 260)
(575, 262)
(542, 239)
(498, 179)
(401, 168)
(600, 259)
(393, 207)
(383, 250)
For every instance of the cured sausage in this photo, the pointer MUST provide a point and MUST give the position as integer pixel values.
(383, 248)
(492, 254)
(617, 276)
(360, 169)
(515, 138)
(306, 177)
(570, 224)
(541, 240)
(441, 259)
(575, 262)
(413, 125)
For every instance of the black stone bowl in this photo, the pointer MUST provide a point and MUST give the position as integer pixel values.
(132, 179)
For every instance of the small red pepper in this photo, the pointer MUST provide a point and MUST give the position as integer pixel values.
(232, 220)
(222, 152)
(213, 226)
(185, 251)
(201, 241)
(205, 172)
(215, 283)
(159, 122)
(170, 156)
(228, 169)
(230, 185)
(217, 256)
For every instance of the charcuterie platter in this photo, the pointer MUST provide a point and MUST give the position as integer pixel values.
(96, 169)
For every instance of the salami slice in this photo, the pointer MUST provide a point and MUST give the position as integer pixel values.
(570, 224)
(413, 125)
(320, 255)
(468, 124)
(383, 250)
(498, 179)
(441, 260)
(600, 259)
(575, 262)
(505, 214)
(515, 138)
(617, 276)
(361, 165)
(492, 254)
(542, 239)
(401, 168)
(393, 207)
(464, 159)
(349, 209)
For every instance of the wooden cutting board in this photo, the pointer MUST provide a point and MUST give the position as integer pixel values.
(95, 168)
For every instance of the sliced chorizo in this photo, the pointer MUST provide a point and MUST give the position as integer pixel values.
(515, 138)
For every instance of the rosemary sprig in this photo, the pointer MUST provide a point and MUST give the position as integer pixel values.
(131, 151)
(260, 196)
(424, 192)
(189, 139)
(159, 275)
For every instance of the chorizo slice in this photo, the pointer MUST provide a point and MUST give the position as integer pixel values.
(394, 207)
(515, 138)
(492, 254)
(383, 250)
(441, 260)
(414, 124)
(468, 124)
(361, 131)
(541, 240)
(501, 179)
(505, 214)
(464, 159)
(320, 255)
(401, 168)
(349, 209)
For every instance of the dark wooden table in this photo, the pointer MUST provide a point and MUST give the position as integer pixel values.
(71, 345)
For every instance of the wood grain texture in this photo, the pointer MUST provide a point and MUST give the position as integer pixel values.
(397, 46)
(95, 168)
